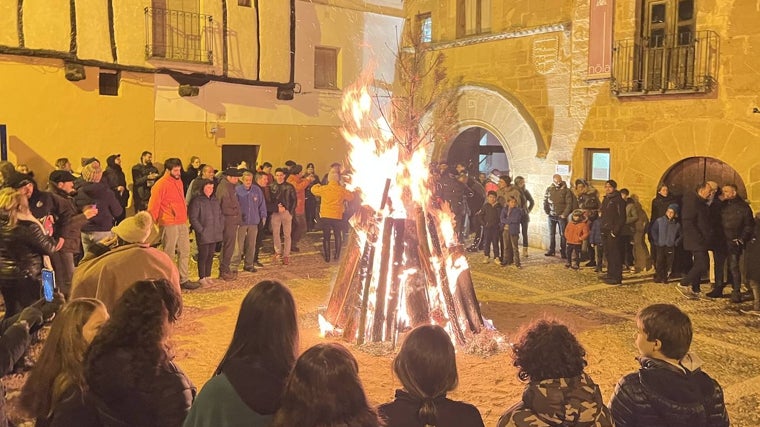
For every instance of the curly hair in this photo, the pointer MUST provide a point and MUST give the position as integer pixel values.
(138, 327)
(426, 365)
(546, 349)
(324, 390)
(61, 363)
(266, 329)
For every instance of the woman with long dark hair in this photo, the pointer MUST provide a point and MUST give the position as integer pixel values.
(427, 368)
(55, 392)
(311, 200)
(129, 368)
(324, 390)
(558, 391)
(248, 383)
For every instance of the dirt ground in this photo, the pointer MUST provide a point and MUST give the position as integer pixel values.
(600, 315)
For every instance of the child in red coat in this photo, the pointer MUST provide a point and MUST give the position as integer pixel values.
(575, 233)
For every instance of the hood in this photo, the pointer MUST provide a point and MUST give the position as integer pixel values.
(678, 395)
(94, 190)
(565, 401)
(111, 162)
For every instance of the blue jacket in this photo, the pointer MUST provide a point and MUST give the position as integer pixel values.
(666, 232)
(511, 217)
(595, 237)
(253, 206)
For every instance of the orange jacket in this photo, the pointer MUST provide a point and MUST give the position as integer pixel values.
(300, 184)
(167, 201)
(576, 232)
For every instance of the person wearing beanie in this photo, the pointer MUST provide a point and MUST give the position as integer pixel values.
(331, 211)
(113, 265)
(576, 232)
(94, 192)
(666, 235)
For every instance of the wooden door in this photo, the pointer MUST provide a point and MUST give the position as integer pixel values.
(685, 175)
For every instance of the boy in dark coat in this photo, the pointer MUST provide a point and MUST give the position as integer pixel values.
(489, 216)
(666, 235)
(669, 390)
(511, 217)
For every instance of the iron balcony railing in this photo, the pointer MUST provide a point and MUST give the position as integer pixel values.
(178, 35)
(688, 63)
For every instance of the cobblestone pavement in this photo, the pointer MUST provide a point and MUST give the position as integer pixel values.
(601, 316)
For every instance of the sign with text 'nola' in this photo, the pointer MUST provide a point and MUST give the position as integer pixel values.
(600, 39)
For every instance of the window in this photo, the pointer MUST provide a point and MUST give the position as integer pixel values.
(597, 164)
(425, 24)
(246, 3)
(109, 82)
(325, 68)
(473, 17)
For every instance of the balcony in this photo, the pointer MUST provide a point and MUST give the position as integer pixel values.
(177, 35)
(667, 65)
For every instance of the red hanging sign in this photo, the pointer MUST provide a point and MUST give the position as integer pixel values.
(600, 38)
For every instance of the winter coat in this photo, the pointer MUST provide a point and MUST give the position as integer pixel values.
(165, 402)
(206, 219)
(612, 214)
(114, 177)
(558, 200)
(21, 250)
(666, 232)
(98, 194)
(576, 232)
(529, 203)
(141, 184)
(41, 204)
(736, 220)
(283, 194)
(227, 196)
(167, 202)
(631, 217)
(717, 239)
(455, 192)
(752, 253)
(109, 275)
(595, 235)
(188, 176)
(660, 204)
(695, 220)
(73, 410)
(300, 184)
(504, 193)
(68, 222)
(490, 215)
(253, 207)
(589, 199)
(511, 217)
(566, 402)
(402, 412)
(333, 195)
(662, 395)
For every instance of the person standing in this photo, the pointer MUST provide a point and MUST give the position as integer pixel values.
(695, 217)
(527, 207)
(195, 187)
(193, 171)
(144, 175)
(300, 184)
(511, 217)
(94, 192)
(262, 181)
(253, 209)
(114, 178)
(612, 222)
(588, 201)
(558, 203)
(208, 223)
(225, 193)
(490, 214)
(331, 210)
(666, 235)
(284, 200)
(660, 204)
(168, 209)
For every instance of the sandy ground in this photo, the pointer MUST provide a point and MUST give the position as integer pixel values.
(600, 315)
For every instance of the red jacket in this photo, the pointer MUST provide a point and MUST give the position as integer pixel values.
(167, 201)
(300, 185)
(576, 232)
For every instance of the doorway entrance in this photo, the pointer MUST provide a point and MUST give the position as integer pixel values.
(685, 175)
(479, 151)
(232, 155)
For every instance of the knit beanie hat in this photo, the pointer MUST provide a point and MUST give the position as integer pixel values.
(92, 172)
(135, 229)
(674, 207)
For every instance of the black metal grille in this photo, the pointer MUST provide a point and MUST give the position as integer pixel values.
(178, 35)
(667, 64)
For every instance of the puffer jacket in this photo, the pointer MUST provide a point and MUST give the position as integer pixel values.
(566, 402)
(98, 193)
(22, 248)
(206, 218)
(589, 199)
(662, 395)
(558, 200)
(736, 220)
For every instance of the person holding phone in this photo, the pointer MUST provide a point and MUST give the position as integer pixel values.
(25, 249)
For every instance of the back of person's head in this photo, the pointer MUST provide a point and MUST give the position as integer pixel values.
(12, 202)
(138, 326)
(668, 324)
(267, 329)
(426, 366)
(333, 176)
(60, 366)
(324, 390)
(546, 349)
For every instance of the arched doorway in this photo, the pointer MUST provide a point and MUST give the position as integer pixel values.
(685, 175)
(478, 150)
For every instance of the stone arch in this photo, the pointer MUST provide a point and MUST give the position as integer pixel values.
(643, 167)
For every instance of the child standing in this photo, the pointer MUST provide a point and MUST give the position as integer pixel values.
(666, 235)
(595, 240)
(576, 232)
(489, 217)
(669, 389)
(511, 217)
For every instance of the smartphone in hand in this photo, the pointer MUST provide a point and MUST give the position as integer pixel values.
(48, 284)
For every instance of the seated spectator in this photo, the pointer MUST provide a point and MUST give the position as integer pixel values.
(324, 390)
(54, 392)
(248, 383)
(128, 368)
(114, 264)
(669, 390)
(559, 393)
(427, 368)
